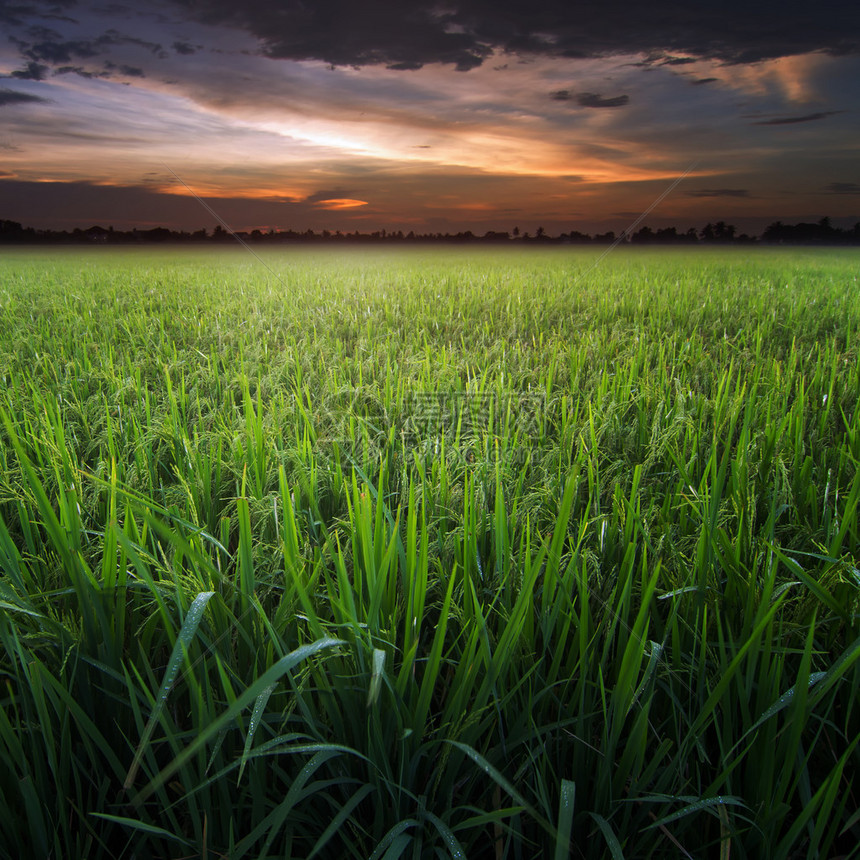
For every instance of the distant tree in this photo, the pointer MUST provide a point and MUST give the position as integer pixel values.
(805, 233)
(12, 231)
(719, 232)
(666, 234)
(10, 227)
(725, 232)
(773, 232)
(156, 234)
(821, 232)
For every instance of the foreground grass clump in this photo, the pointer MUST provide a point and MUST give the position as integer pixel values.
(263, 595)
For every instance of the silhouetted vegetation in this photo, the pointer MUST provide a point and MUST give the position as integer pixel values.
(821, 233)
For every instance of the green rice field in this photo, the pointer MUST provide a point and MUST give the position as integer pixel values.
(429, 553)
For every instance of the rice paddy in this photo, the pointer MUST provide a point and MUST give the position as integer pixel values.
(429, 553)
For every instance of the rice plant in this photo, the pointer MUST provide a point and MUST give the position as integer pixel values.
(429, 554)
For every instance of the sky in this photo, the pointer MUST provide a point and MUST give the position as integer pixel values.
(428, 116)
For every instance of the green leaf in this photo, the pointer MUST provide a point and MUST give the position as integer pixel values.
(708, 803)
(397, 832)
(338, 821)
(256, 717)
(610, 837)
(142, 826)
(565, 819)
(269, 677)
(376, 677)
(180, 650)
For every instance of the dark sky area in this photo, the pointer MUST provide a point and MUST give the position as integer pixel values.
(439, 116)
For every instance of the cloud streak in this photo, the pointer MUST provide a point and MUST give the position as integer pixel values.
(851, 188)
(793, 120)
(12, 97)
(595, 100)
(719, 192)
(589, 100)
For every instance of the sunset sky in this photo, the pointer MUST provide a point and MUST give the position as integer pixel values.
(439, 116)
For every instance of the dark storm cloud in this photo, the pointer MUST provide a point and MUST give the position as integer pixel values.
(791, 120)
(39, 33)
(843, 188)
(60, 52)
(114, 37)
(595, 100)
(80, 70)
(33, 71)
(18, 14)
(11, 97)
(46, 47)
(719, 192)
(378, 32)
(128, 71)
(14, 15)
(465, 32)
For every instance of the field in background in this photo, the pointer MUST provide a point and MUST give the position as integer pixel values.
(429, 554)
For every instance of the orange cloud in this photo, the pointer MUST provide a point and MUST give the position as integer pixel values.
(475, 207)
(340, 203)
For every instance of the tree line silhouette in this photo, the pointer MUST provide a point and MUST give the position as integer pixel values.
(820, 233)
